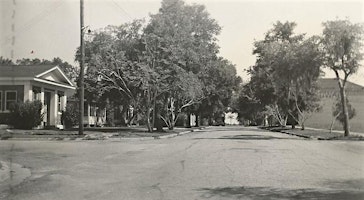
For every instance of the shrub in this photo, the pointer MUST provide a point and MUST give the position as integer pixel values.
(70, 116)
(337, 110)
(26, 115)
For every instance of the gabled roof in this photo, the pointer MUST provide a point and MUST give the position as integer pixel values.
(50, 74)
(331, 84)
(23, 70)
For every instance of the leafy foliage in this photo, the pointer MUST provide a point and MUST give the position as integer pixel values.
(5, 61)
(70, 116)
(342, 43)
(337, 111)
(26, 115)
(161, 68)
(250, 110)
(284, 76)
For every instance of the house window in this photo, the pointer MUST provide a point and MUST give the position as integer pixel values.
(1, 100)
(10, 98)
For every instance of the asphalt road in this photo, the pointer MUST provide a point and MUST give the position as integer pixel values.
(216, 163)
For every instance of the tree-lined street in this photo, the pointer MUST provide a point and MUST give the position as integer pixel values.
(160, 97)
(216, 163)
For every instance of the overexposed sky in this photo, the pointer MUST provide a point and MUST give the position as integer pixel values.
(50, 28)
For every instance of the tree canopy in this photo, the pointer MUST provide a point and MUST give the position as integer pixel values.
(283, 79)
(162, 67)
(342, 44)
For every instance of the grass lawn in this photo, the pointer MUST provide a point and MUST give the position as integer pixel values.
(314, 133)
(89, 133)
(322, 119)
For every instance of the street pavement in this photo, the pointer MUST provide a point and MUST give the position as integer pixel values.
(214, 163)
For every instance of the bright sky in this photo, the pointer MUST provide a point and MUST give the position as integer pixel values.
(50, 28)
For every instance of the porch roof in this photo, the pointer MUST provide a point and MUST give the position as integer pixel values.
(24, 70)
(38, 73)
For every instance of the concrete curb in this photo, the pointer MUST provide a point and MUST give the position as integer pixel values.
(166, 136)
(178, 134)
(298, 135)
(42, 139)
(302, 136)
(119, 139)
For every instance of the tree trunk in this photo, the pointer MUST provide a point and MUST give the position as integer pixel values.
(149, 124)
(158, 121)
(154, 113)
(159, 125)
(345, 110)
(173, 115)
(285, 121)
(210, 121)
(303, 127)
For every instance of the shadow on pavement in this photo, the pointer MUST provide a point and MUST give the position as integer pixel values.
(276, 193)
(234, 128)
(248, 137)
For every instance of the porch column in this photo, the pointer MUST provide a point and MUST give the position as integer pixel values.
(53, 108)
(64, 102)
(42, 100)
(88, 114)
(28, 92)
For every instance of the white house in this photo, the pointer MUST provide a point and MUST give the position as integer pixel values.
(46, 83)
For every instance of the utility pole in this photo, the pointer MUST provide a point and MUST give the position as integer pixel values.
(81, 80)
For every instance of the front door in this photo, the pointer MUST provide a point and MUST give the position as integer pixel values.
(47, 108)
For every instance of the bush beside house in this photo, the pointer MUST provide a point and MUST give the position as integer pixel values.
(26, 115)
(70, 116)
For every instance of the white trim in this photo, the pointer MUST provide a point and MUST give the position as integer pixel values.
(52, 69)
(45, 72)
(6, 97)
(64, 75)
(54, 83)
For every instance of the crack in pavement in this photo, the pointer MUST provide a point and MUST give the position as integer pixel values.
(183, 164)
(157, 187)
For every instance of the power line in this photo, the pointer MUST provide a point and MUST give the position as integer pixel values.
(122, 9)
(34, 20)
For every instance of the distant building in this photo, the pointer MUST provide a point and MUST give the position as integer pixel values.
(329, 92)
(231, 118)
(46, 83)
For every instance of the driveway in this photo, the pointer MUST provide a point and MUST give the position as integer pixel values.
(216, 163)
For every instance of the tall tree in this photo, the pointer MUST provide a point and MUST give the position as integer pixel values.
(285, 73)
(220, 82)
(114, 71)
(342, 43)
(248, 107)
(189, 43)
